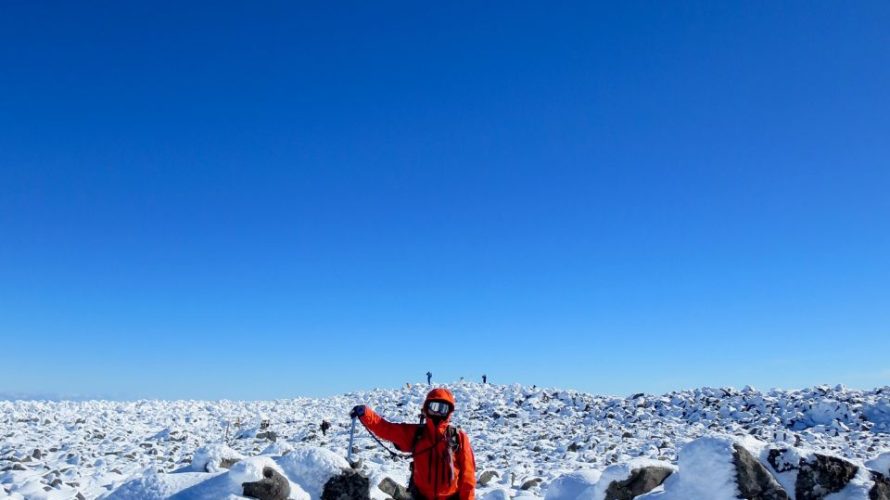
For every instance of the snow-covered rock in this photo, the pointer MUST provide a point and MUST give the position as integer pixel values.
(705, 471)
(573, 485)
(523, 432)
(629, 479)
(214, 457)
(311, 467)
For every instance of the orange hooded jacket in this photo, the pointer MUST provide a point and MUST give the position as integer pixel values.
(438, 472)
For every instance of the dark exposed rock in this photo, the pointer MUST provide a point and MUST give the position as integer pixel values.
(640, 481)
(270, 435)
(273, 486)
(822, 475)
(227, 463)
(37, 454)
(881, 489)
(782, 460)
(531, 483)
(754, 481)
(486, 477)
(395, 490)
(347, 486)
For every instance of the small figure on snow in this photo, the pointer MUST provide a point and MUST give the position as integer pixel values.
(429, 378)
(443, 464)
(325, 425)
(484, 378)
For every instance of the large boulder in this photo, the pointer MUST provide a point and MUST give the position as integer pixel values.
(820, 475)
(881, 488)
(486, 477)
(706, 471)
(530, 483)
(753, 479)
(628, 480)
(640, 481)
(312, 467)
(349, 485)
(395, 490)
(273, 486)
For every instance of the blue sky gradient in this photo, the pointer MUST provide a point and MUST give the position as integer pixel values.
(232, 200)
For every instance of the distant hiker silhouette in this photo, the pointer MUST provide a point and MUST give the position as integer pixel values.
(443, 466)
(429, 378)
(484, 379)
(325, 425)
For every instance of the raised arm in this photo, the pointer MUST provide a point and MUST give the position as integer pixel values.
(401, 435)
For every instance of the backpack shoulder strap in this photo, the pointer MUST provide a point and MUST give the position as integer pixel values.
(418, 435)
(453, 434)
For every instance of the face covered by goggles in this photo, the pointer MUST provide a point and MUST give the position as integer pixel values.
(438, 408)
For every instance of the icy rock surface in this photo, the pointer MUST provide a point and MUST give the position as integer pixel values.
(93, 448)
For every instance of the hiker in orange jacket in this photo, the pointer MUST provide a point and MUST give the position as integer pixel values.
(444, 467)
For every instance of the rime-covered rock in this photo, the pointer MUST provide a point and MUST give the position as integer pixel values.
(753, 479)
(822, 475)
(349, 485)
(273, 486)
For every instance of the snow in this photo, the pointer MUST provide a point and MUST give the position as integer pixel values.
(573, 485)
(706, 471)
(207, 458)
(312, 466)
(152, 485)
(498, 494)
(574, 442)
(878, 411)
(881, 463)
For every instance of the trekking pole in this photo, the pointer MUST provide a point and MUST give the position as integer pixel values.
(351, 439)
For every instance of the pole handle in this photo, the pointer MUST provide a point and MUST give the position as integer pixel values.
(351, 440)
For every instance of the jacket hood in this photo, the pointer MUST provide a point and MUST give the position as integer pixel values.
(440, 394)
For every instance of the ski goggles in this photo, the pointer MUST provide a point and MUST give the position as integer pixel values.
(438, 408)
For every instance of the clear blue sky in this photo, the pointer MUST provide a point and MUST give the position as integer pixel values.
(245, 200)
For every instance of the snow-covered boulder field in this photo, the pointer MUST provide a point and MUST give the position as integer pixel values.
(709, 444)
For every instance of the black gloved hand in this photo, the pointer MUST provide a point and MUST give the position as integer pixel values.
(357, 411)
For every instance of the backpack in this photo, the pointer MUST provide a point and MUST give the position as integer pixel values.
(452, 434)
